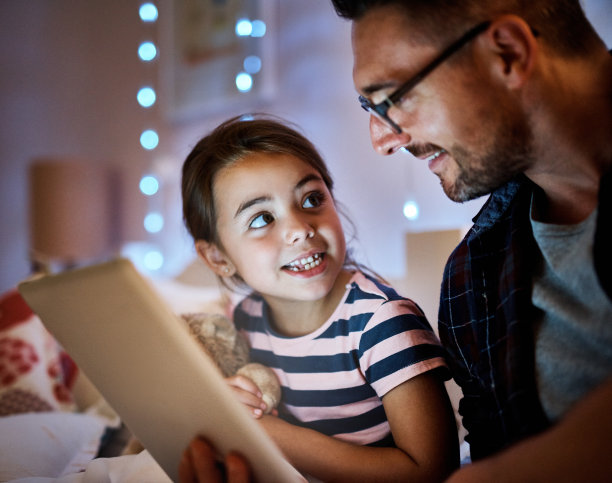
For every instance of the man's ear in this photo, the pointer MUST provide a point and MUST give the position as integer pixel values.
(214, 257)
(513, 49)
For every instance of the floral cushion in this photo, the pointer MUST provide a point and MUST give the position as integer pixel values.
(36, 374)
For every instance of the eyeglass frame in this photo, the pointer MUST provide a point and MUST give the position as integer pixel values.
(381, 109)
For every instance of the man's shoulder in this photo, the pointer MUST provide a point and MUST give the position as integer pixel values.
(506, 210)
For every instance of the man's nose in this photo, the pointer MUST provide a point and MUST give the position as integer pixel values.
(384, 139)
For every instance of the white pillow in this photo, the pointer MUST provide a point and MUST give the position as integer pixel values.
(50, 444)
(133, 468)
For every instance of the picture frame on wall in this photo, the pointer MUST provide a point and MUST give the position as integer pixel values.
(218, 57)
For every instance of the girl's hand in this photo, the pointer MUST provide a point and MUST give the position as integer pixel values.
(248, 394)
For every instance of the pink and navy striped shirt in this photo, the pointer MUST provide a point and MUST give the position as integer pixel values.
(334, 378)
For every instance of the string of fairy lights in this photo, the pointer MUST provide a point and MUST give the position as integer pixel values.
(151, 258)
(153, 222)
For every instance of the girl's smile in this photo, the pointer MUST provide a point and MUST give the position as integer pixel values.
(307, 266)
(306, 263)
(279, 228)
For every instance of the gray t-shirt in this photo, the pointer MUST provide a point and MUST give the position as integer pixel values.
(574, 335)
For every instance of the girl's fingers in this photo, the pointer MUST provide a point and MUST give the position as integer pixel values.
(248, 394)
(244, 383)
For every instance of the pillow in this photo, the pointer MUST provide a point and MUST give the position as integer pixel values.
(51, 444)
(36, 374)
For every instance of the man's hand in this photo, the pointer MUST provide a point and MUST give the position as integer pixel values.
(577, 448)
(199, 464)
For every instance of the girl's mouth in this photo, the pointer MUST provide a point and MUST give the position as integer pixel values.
(304, 264)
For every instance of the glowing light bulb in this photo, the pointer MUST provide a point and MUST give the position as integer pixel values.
(146, 97)
(149, 139)
(411, 210)
(258, 28)
(154, 222)
(252, 64)
(147, 51)
(149, 185)
(244, 82)
(244, 27)
(153, 260)
(148, 12)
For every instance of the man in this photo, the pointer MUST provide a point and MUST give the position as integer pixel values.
(511, 99)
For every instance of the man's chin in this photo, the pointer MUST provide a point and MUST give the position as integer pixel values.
(451, 191)
(460, 193)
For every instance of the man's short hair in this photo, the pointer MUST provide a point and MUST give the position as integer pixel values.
(561, 24)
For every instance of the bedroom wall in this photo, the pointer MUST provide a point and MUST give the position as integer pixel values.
(68, 86)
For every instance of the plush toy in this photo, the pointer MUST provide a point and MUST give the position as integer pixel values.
(229, 350)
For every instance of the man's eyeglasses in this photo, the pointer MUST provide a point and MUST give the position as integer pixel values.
(381, 109)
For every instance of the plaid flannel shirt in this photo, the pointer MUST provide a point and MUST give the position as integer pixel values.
(485, 322)
(486, 317)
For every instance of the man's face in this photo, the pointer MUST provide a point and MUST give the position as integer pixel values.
(462, 121)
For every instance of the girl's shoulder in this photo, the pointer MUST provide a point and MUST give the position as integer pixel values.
(367, 286)
(370, 294)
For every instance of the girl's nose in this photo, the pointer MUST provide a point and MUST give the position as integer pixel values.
(298, 230)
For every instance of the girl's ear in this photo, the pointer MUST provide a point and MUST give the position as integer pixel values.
(214, 257)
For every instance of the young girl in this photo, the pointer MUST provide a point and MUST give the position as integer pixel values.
(360, 368)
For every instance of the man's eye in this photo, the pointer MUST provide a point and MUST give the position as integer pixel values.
(379, 98)
(313, 200)
(406, 102)
(261, 220)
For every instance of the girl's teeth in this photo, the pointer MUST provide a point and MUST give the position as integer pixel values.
(305, 263)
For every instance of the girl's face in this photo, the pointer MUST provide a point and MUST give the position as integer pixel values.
(278, 226)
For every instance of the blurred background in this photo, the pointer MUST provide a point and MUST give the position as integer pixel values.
(101, 100)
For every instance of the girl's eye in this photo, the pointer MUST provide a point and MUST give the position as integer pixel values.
(313, 200)
(261, 220)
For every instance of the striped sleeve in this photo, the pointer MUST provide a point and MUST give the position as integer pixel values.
(398, 344)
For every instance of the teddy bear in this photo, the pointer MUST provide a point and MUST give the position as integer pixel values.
(230, 352)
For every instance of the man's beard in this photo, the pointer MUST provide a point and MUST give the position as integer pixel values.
(508, 154)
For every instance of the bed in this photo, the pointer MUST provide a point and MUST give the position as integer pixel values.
(54, 424)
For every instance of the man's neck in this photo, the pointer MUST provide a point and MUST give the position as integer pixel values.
(573, 145)
(563, 206)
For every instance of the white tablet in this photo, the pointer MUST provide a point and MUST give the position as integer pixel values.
(149, 368)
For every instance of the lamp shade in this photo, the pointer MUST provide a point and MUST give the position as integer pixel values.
(70, 210)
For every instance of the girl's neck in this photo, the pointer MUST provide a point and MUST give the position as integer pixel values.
(294, 318)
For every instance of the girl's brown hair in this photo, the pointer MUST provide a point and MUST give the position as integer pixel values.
(229, 142)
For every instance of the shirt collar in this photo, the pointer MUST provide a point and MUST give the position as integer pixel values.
(498, 204)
